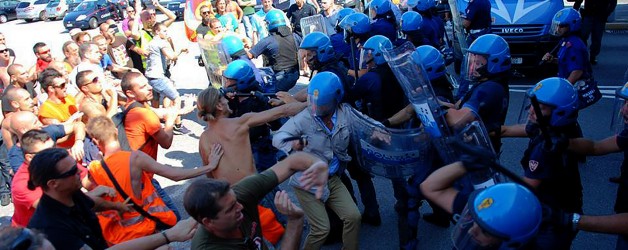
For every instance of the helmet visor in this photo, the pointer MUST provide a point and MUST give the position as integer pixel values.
(310, 56)
(558, 29)
(474, 67)
(366, 58)
(467, 234)
(319, 107)
(619, 119)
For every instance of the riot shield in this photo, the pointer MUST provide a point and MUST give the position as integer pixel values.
(391, 153)
(458, 29)
(313, 23)
(215, 58)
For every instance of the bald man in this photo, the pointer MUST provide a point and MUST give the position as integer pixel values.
(22, 121)
(117, 46)
(20, 79)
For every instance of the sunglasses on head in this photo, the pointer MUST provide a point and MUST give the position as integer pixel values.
(66, 174)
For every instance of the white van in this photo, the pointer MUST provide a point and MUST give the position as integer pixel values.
(56, 9)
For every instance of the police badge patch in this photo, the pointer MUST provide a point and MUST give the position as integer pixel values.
(532, 164)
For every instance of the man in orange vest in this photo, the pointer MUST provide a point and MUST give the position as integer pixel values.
(130, 174)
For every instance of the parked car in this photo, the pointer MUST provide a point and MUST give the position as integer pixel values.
(176, 6)
(7, 10)
(56, 9)
(89, 14)
(32, 10)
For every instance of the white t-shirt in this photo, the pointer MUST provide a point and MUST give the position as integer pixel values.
(155, 62)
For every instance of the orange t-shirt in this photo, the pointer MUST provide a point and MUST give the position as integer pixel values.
(140, 125)
(60, 111)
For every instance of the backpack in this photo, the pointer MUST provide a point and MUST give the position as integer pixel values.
(118, 120)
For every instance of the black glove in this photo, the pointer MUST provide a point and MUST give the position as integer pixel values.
(260, 96)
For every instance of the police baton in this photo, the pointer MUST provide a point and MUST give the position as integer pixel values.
(551, 52)
(355, 63)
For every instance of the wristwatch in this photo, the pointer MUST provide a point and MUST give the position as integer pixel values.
(574, 221)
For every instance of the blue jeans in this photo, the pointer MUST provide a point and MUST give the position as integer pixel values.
(166, 198)
(164, 87)
(285, 80)
(247, 20)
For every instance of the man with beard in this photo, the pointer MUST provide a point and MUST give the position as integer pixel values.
(204, 28)
(19, 79)
(117, 47)
(70, 51)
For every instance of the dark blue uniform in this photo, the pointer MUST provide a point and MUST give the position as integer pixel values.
(560, 184)
(341, 47)
(385, 27)
(489, 100)
(621, 202)
(572, 55)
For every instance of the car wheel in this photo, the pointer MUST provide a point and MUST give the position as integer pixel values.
(28, 20)
(93, 23)
(43, 16)
(3, 19)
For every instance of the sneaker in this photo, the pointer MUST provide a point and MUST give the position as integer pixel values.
(181, 130)
(5, 199)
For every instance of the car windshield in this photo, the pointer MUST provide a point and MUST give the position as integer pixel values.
(53, 4)
(87, 5)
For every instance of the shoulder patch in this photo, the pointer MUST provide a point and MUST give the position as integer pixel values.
(532, 164)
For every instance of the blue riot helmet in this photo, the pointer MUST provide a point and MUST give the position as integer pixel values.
(275, 18)
(232, 44)
(619, 119)
(239, 76)
(567, 17)
(317, 49)
(411, 21)
(379, 7)
(487, 56)
(342, 14)
(324, 93)
(507, 215)
(421, 5)
(373, 50)
(431, 59)
(356, 24)
(560, 96)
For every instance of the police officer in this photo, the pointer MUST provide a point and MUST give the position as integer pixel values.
(338, 39)
(433, 63)
(280, 50)
(487, 65)
(384, 22)
(240, 78)
(595, 14)
(357, 28)
(411, 23)
(433, 27)
(572, 57)
(321, 57)
(547, 166)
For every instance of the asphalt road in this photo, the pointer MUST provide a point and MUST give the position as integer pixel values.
(599, 194)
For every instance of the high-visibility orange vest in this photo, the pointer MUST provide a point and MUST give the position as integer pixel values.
(116, 227)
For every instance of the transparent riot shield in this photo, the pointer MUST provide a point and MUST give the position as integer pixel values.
(313, 23)
(215, 58)
(391, 153)
(458, 29)
(418, 89)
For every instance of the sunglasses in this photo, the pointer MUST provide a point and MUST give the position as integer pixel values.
(66, 174)
(60, 86)
(44, 52)
(4, 50)
(205, 12)
(95, 80)
(153, 14)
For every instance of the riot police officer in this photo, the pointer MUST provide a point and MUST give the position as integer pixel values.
(234, 47)
(280, 50)
(384, 22)
(357, 29)
(338, 40)
(411, 23)
(572, 58)
(240, 78)
(433, 27)
(321, 57)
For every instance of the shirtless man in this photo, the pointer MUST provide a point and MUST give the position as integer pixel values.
(233, 133)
